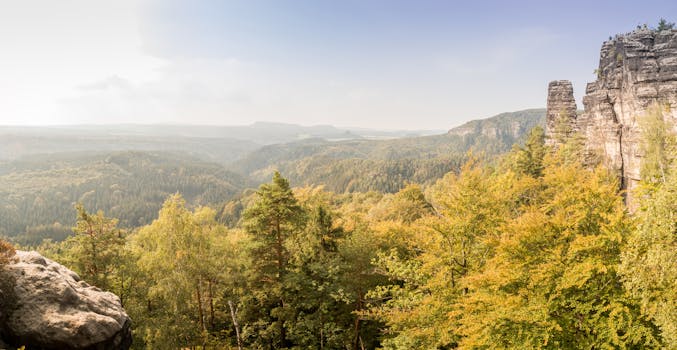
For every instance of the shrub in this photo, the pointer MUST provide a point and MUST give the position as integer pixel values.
(6, 252)
(665, 25)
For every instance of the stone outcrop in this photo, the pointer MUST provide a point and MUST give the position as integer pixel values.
(47, 306)
(561, 112)
(636, 70)
(508, 126)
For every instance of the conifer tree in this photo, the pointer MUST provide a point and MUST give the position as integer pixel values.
(97, 250)
(315, 268)
(663, 24)
(275, 217)
(529, 159)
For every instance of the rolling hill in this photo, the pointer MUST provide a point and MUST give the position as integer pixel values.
(128, 172)
(37, 193)
(387, 165)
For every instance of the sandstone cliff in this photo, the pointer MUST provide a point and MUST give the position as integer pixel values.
(636, 70)
(46, 306)
(561, 110)
(510, 126)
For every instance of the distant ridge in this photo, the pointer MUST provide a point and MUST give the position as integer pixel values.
(387, 165)
(43, 170)
(504, 125)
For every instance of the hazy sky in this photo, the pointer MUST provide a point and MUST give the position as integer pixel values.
(372, 63)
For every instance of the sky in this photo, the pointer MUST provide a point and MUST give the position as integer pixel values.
(384, 64)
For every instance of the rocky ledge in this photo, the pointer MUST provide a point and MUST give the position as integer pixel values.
(636, 71)
(45, 306)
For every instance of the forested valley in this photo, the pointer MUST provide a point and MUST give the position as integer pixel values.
(523, 247)
(128, 172)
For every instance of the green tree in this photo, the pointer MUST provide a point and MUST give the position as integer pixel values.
(178, 256)
(359, 250)
(553, 279)
(663, 24)
(315, 268)
(407, 205)
(649, 266)
(570, 144)
(426, 276)
(529, 159)
(271, 220)
(97, 250)
(659, 145)
(514, 262)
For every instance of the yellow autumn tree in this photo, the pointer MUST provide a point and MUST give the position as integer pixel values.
(553, 281)
(179, 258)
(418, 307)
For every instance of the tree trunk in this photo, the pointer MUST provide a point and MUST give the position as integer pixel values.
(199, 307)
(283, 330)
(278, 250)
(356, 330)
(211, 305)
(280, 272)
(321, 331)
(357, 340)
(233, 315)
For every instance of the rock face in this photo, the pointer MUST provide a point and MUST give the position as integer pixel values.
(508, 126)
(48, 307)
(636, 70)
(561, 112)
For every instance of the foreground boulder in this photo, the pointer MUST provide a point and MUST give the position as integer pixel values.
(46, 306)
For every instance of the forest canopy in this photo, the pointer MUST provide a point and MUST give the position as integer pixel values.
(534, 251)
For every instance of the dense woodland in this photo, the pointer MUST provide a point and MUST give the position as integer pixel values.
(90, 166)
(533, 250)
(351, 165)
(37, 193)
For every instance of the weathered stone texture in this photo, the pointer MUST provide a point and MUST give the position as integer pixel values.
(636, 70)
(52, 308)
(561, 110)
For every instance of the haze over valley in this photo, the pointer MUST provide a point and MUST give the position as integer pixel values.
(338, 175)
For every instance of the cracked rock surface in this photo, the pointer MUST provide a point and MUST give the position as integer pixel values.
(636, 71)
(47, 306)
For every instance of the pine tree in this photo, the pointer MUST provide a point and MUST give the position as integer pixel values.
(97, 250)
(663, 24)
(315, 268)
(275, 217)
(529, 159)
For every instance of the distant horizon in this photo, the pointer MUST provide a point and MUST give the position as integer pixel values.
(346, 127)
(422, 65)
(178, 124)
